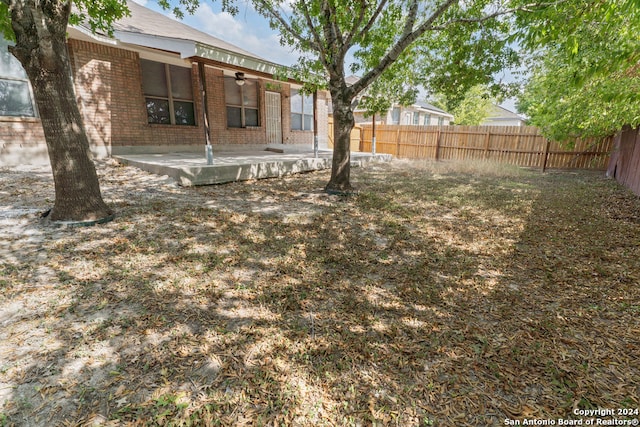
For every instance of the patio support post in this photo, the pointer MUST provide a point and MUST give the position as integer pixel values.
(315, 124)
(205, 114)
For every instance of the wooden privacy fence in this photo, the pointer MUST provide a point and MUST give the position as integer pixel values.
(356, 136)
(625, 159)
(518, 145)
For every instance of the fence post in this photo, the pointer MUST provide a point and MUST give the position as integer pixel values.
(486, 144)
(438, 144)
(398, 142)
(546, 156)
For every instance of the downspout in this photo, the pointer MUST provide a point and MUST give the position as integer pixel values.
(205, 114)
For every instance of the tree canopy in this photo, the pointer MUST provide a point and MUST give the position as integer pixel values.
(470, 110)
(585, 78)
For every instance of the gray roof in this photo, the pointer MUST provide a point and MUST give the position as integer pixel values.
(351, 80)
(500, 113)
(428, 106)
(148, 29)
(149, 22)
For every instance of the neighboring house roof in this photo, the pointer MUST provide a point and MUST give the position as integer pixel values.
(420, 105)
(351, 80)
(431, 108)
(151, 29)
(498, 113)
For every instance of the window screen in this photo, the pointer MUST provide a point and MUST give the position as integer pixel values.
(242, 103)
(168, 91)
(16, 98)
(301, 111)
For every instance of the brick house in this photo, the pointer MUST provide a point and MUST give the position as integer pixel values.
(152, 88)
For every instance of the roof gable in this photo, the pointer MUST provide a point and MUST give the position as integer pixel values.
(150, 29)
(498, 112)
(145, 21)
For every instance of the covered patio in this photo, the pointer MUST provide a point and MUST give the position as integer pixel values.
(190, 169)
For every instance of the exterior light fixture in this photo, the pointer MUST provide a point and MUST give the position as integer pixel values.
(239, 78)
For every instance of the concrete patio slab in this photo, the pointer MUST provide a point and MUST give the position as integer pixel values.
(190, 169)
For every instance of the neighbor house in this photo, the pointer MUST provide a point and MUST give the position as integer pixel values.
(419, 114)
(500, 116)
(151, 88)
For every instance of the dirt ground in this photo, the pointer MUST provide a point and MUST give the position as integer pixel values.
(445, 294)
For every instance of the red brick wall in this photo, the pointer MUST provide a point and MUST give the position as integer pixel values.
(109, 89)
(108, 84)
(221, 134)
(22, 141)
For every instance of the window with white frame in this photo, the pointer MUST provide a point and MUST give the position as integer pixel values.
(416, 118)
(242, 103)
(440, 121)
(168, 92)
(427, 119)
(395, 116)
(16, 97)
(301, 111)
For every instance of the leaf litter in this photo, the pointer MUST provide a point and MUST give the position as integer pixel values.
(445, 294)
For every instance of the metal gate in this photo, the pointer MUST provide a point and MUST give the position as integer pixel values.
(274, 118)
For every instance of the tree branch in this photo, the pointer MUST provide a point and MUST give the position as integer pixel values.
(373, 19)
(334, 22)
(320, 48)
(396, 50)
(525, 8)
(286, 26)
(357, 23)
(411, 19)
(336, 58)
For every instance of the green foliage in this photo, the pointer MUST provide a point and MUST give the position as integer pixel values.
(453, 50)
(474, 107)
(5, 23)
(467, 54)
(600, 105)
(585, 76)
(99, 14)
(396, 85)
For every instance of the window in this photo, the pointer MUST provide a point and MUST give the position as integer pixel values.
(395, 116)
(168, 92)
(242, 103)
(440, 121)
(16, 98)
(416, 118)
(301, 111)
(427, 119)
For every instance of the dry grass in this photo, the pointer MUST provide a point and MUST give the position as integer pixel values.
(442, 294)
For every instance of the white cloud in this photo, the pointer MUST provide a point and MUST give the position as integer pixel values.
(252, 33)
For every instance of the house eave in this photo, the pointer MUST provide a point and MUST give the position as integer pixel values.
(185, 48)
(236, 59)
(82, 33)
(192, 49)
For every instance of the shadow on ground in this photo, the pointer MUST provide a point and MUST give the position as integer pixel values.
(430, 298)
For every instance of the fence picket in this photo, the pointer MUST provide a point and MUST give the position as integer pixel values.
(522, 146)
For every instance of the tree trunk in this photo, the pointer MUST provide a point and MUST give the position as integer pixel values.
(42, 50)
(343, 123)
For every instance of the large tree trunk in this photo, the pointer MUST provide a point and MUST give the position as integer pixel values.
(41, 48)
(343, 123)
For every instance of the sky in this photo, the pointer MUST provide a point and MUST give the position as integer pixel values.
(248, 30)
